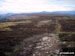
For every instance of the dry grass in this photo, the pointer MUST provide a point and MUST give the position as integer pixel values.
(44, 22)
(6, 24)
(27, 21)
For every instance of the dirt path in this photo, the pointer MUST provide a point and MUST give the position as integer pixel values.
(39, 45)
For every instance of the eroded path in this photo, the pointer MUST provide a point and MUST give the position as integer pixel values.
(39, 45)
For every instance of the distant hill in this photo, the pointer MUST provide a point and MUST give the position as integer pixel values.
(62, 13)
(4, 17)
(67, 12)
(13, 16)
(57, 13)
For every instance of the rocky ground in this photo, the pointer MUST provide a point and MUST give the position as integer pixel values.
(39, 45)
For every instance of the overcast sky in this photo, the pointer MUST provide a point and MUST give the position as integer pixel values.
(21, 6)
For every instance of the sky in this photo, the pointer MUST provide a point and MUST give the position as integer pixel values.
(27, 6)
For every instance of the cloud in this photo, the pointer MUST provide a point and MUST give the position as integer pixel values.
(21, 5)
(30, 6)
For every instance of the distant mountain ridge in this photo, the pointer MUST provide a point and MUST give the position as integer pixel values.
(59, 12)
(67, 12)
(16, 16)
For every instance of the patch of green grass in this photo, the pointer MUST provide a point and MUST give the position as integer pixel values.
(6, 29)
(58, 27)
(6, 24)
(68, 17)
(66, 32)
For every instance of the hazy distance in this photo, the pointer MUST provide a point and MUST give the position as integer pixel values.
(28, 6)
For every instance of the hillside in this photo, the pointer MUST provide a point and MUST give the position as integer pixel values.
(37, 35)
